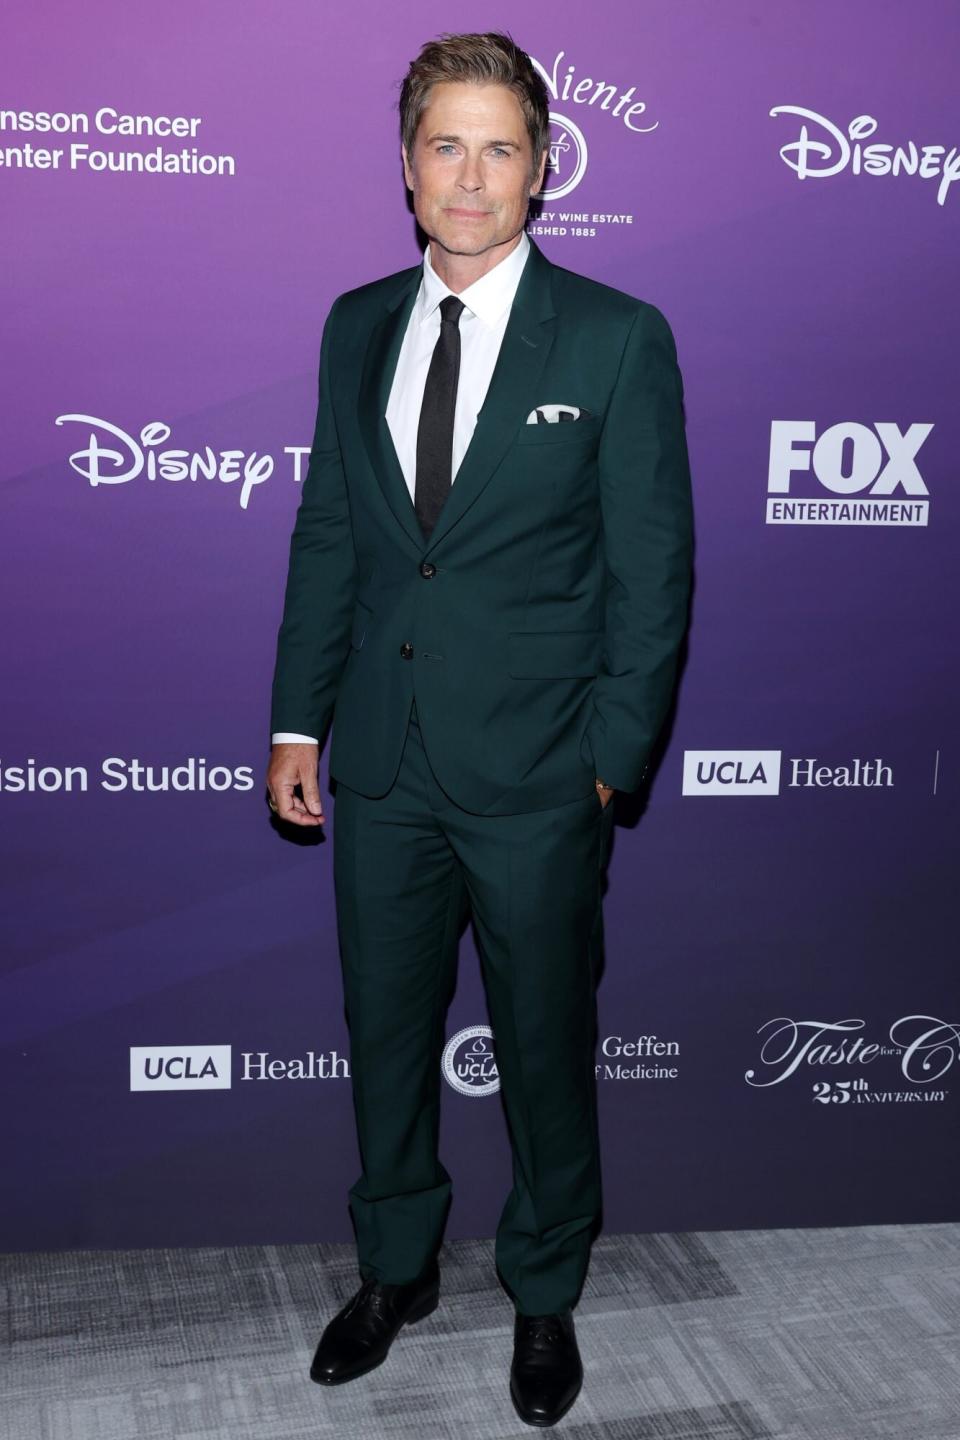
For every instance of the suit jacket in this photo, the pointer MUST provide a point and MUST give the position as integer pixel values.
(538, 628)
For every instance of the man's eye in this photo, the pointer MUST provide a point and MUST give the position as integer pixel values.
(496, 149)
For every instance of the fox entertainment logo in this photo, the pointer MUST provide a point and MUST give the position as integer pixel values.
(860, 466)
(180, 1067)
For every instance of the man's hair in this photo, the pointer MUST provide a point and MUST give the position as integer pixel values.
(491, 58)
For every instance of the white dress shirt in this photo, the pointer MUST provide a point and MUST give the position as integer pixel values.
(487, 303)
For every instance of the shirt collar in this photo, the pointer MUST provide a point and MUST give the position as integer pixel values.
(489, 297)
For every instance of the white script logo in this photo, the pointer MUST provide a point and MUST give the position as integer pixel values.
(927, 1047)
(567, 157)
(102, 465)
(831, 150)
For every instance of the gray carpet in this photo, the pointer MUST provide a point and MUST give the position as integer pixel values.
(827, 1334)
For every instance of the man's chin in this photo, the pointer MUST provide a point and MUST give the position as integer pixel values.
(457, 242)
(468, 238)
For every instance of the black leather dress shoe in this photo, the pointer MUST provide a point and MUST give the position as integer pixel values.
(546, 1373)
(358, 1337)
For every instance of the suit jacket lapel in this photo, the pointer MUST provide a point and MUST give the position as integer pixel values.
(511, 395)
(379, 367)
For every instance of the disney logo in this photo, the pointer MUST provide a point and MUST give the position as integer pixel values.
(103, 464)
(830, 150)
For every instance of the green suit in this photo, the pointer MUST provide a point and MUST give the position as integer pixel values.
(479, 683)
(539, 627)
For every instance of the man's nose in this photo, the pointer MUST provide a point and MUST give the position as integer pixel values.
(470, 177)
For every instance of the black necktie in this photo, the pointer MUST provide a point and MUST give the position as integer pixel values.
(435, 430)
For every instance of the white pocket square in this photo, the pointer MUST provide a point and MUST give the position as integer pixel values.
(550, 414)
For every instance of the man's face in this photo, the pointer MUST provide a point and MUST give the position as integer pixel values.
(470, 167)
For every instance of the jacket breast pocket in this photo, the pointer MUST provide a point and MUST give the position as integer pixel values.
(560, 432)
(554, 654)
(361, 618)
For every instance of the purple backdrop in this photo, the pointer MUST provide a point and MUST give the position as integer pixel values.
(779, 1008)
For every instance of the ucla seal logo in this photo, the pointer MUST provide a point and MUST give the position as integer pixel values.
(468, 1061)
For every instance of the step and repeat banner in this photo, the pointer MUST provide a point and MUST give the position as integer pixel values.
(184, 189)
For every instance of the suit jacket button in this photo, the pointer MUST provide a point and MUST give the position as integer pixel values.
(428, 569)
(406, 650)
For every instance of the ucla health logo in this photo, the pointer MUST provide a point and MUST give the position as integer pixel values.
(469, 1064)
(758, 772)
(849, 474)
(731, 772)
(180, 1067)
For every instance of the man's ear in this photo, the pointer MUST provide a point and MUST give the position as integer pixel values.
(407, 168)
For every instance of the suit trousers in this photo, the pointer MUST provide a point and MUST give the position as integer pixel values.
(408, 868)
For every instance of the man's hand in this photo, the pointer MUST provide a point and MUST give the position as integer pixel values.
(292, 765)
(605, 792)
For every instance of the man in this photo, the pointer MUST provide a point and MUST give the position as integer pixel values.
(489, 578)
